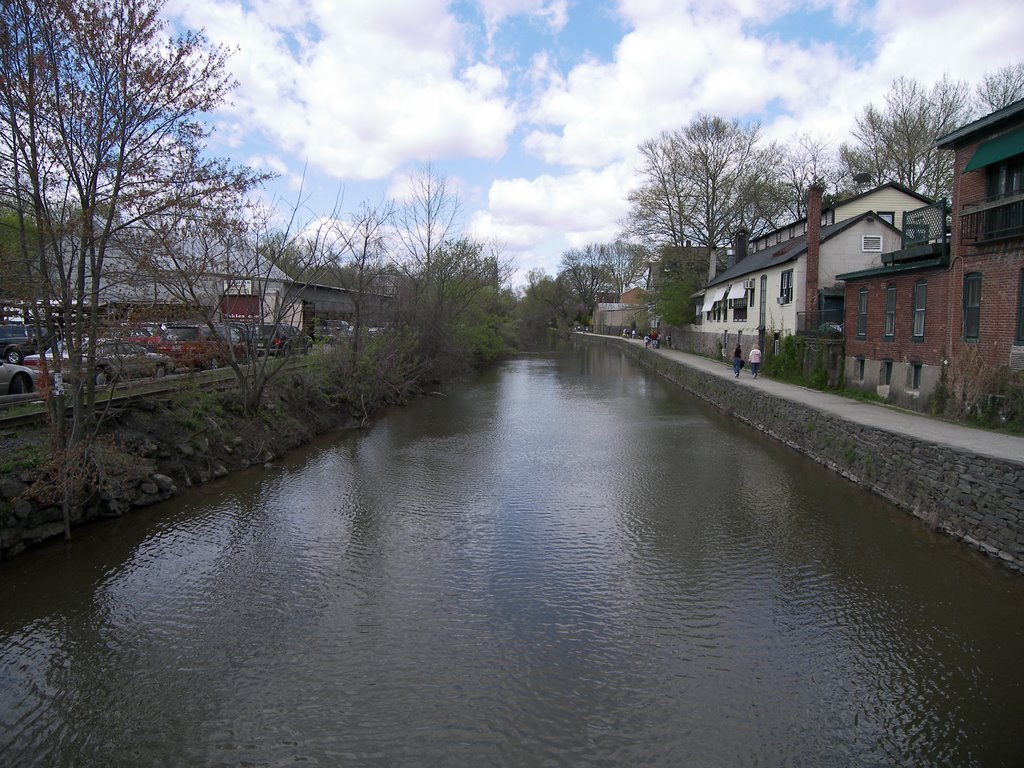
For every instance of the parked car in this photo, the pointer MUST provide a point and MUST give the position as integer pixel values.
(121, 360)
(16, 379)
(17, 340)
(146, 334)
(194, 345)
(333, 331)
(280, 339)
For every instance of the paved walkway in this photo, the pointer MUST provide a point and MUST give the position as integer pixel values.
(898, 420)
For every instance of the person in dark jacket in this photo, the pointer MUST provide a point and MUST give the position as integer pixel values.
(737, 360)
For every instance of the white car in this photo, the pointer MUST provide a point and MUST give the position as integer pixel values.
(16, 379)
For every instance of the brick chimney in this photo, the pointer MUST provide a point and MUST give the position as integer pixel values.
(813, 246)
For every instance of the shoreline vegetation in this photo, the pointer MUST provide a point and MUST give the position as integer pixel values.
(153, 449)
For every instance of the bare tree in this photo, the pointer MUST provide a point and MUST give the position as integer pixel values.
(429, 215)
(585, 272)
(896, 142)
(701, 183)
(626, 264)
(365, 254)
(444, 274)
(807, 159)
(1001, 88)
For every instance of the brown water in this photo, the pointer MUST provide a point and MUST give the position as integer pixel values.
(568, 563)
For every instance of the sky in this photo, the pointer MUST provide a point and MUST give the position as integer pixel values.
(533, 110)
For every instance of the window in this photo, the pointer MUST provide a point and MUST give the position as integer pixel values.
(972, 305)
(920, 301)
(887, 216)
(762, 311)
(786, 290)
(862, 313)
(1006, 178)
(886, 373)
(1020, 310)
(871, 243)
(890, 312)
(915, 375)
(860, 368)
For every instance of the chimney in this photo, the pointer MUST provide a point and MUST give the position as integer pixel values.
(813, 246)
(740, 244)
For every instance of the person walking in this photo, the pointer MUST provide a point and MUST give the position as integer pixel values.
(737, 360)
(754, 359)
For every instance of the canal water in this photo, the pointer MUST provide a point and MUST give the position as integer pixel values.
(567, 563)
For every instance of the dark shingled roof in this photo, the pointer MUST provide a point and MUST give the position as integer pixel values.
(787, 250)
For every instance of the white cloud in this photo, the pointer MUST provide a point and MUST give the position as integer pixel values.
(363, 91)
(581, 207)
(359, 89)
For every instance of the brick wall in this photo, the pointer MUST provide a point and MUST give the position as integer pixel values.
(902, 347)
(1000, 265)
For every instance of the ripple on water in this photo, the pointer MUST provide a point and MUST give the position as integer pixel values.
(558, 567)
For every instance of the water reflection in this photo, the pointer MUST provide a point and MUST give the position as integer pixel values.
(567, 563)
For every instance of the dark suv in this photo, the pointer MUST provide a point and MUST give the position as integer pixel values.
(17, 340)
(192, 345)
(281, 339)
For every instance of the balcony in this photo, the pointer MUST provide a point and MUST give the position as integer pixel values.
(994, 221)
(827, 323)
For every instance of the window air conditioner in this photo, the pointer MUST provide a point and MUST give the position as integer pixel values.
(780, 299)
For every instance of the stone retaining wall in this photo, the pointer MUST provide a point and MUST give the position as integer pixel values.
(976, 499)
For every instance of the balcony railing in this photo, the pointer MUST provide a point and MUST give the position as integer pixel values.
(925, 225)
(822, 322)
(994, 222)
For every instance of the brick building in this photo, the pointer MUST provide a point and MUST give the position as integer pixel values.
(948, 304)
(988, 238)
(895, 316)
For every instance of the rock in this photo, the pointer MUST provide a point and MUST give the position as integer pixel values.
(163, 482)
(42, 532)
(39, 518)
(219, 471)
(185, 449)
(22, 509)
(149, 489)
(145, 499)
(11, 488)
(9, 537)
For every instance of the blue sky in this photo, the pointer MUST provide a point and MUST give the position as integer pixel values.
(533, 109)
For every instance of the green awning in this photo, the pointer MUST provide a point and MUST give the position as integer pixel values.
(999, 148)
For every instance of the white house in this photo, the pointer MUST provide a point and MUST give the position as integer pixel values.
(785, 281)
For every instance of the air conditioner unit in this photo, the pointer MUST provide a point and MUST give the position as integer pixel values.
(780, 299)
